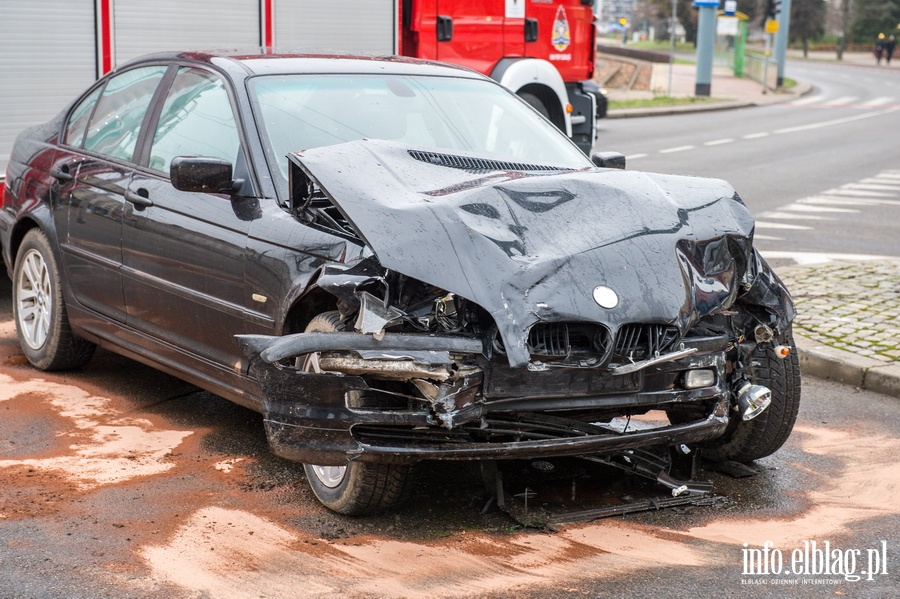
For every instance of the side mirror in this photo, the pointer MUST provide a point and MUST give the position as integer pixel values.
(608, 160)
(204, 175)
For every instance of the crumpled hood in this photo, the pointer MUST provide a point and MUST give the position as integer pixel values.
(531, 247)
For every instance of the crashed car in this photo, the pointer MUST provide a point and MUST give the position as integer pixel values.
(394, 261)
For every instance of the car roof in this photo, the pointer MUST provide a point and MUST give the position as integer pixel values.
(265, 61)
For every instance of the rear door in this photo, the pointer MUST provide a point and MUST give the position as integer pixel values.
(94, 170)
(184, 253)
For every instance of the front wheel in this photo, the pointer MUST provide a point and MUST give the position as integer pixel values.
(42, 324)
(750, 440)
(357, 488)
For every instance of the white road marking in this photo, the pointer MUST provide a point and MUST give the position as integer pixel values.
(840, 101)
(761, 224)
(859, 194)
(864, 184)
(635, 156)
(767, 238)
(819, 258)
(805, 207)
(719, 142)
(878, 101)
(678, 149)
(839, 201)
(842, 121)
(808, 100)
(756, 135)
(789, 216)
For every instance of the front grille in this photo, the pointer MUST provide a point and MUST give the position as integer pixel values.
(564, 339)
(549, 339)
(641, 341)
(478, 164)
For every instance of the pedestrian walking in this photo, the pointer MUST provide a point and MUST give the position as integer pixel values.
(879, 48)
(889, 48)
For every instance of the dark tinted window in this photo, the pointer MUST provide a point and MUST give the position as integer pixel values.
(78, 120)
(196, 120)
(114, 128)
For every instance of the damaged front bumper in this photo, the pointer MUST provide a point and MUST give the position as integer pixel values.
(470, 408)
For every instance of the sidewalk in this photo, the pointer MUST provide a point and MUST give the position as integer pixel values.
(727, 90)
(848, 322)
(848, 313)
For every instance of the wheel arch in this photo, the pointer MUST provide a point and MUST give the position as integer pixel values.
(19, 230)
(538, 77)
(305, 307)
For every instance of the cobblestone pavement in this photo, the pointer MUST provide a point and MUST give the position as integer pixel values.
(853, 306)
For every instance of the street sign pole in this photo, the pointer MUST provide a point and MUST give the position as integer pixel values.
(672, 42)
(781, 40)
(706, 40)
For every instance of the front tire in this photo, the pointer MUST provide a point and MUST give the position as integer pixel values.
(750, 440)
(357, 488)
(42, 324)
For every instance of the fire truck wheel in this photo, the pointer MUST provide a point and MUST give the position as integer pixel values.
(535, 103)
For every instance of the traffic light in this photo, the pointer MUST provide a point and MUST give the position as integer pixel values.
(773, 7)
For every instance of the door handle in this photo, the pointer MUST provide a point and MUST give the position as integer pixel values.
(444, 28)
(61, 173)
(531, 30)
(140, 198)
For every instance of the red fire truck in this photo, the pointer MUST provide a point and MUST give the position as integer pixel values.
(541, 49)
(544, 50)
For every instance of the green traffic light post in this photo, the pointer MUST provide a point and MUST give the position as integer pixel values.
(706, 40)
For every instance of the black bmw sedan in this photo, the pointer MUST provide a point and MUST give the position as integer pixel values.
(394, 261)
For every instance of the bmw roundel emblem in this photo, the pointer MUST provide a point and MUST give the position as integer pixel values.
(605, 297)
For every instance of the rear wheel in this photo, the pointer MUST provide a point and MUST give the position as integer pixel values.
(357, 488)
(748, 440)
(42, 324)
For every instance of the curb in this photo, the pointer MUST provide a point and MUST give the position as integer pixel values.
(623, 113)
(834, 364)
(801, 89)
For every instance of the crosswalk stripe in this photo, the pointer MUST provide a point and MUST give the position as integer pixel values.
(761, 224)
(798, 207)
(878, 101)
(838, 201)
(818, 257)
(789, 216)
(840, 101)
(863, 194)
(854, 201)
(808, 100)
(831, 204)
(875, 184)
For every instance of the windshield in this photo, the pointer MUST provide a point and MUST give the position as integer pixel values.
(299, 112)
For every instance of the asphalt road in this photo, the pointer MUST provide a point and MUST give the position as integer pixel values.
(117, 481)
(821, 173)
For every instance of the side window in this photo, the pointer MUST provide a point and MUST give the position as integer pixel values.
(114, 128)
(78, 120)
(196, 120)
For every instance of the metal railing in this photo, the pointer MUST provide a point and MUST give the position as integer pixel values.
(755, 69)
